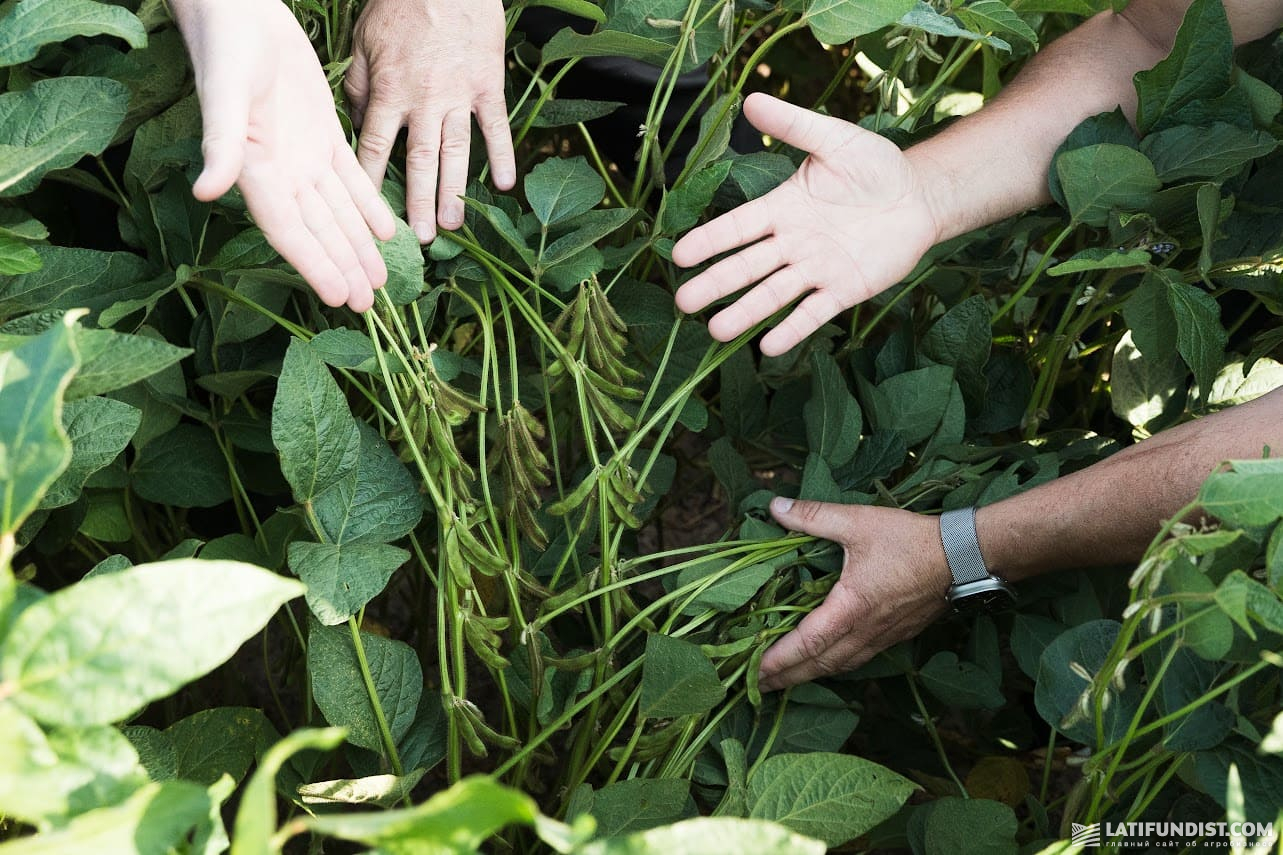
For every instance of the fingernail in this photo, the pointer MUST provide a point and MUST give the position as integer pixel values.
(781, 504)
(505, 178)
(423, 231)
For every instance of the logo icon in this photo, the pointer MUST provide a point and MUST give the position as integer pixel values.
(1084, 835)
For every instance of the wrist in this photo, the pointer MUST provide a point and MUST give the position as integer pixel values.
(939, 190)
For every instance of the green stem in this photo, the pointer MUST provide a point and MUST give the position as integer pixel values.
(389, 744)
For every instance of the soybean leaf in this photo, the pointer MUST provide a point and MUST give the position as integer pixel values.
(995, 16)
(588, 229)
(912, 403)
(341, 579)
(16, 256)
(837, 22)
(403, 257)
(18, 161)
(1100, 258)
(758, 173)
(654, 20)
(1200, 338)
(703, 835)
(34, 23)
(1216, 152)
(833, 417)
(960, 683)
(1249, 494)
(568, 111)
(375, 501)
(345, 348)
(1200, 66)
(191, 450)
(111, 360)
(155, 751)
(728, 593)
(456, 820)
(677, 679)
(1261, 776)
(155, 820)
(684, 205)
(1060, 683)
(256, 819)
(81, 113)
(71, 278)
(979, 826)
(35, 783)
(381, 790)
(312, 426)
(831, 797)
(1187, 679)
(963, 339)
(639, 804)
(339, 687)
(99, 430)
(567, 44)
(34, 449)
(1098, 178)
(220, 741)
(923, 17)
(561, 188)
(71, 660)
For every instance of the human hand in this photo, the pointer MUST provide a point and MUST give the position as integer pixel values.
(271, 129)
(893, 585)
(851, 222)
(428, 66)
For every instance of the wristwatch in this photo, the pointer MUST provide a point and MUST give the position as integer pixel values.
(974, 588)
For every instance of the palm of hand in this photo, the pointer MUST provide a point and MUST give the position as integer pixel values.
(850, 223)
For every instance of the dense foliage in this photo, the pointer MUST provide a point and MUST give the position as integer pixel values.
(504, 609)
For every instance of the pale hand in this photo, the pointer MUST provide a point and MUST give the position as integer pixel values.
(851, 222)
(271, 129)
(428, 66)
(893, 584)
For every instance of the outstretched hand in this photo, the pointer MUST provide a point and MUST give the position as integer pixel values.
(851, 222)
(893, 585)
(271, 129)
(429, 67)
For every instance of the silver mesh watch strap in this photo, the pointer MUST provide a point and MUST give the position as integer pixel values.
(961, 546)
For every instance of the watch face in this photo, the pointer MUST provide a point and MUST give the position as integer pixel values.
(986, 595)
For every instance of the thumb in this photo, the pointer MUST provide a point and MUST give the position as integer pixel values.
(797, 126)
(822, 519)
(225, 117)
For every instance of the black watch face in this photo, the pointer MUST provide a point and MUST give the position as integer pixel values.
(995, 599)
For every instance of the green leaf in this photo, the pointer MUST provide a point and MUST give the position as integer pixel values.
(588, 229)
(342, 579)
(728, 593)
(1200, 66)
(1217, 152)
(578, 8)
(705, 835)
(654, 20)
(996, 17)
(376, 501)
(312, 426)
(836, 22)
(17, 161)
(456, 820)
(833, 417)
(78, 114)
(960, 683)
(963, 338)
(831, 797)
(17, 257)
(677, 679)
(1060, 687)
(72, 660)
(1249, 494)
(754, 175)
(154, 821)
(1233, 387)
(568, 44)
(561, 112)
(218, 741)
(191, 450)
(34, 449)
(99, 430)
(111, 360)
(339, 687)
(1098, 178)
(977, 826)
(403, 256)
(1100, 258)
(639, 804)
(1262, 777)
(923, 17)
(1200, 338)
(683, 205)
(561, 188)
(34, 23)
(345, 348)
(380, 790)
(71, 278)
(256, 819)
(913, 403)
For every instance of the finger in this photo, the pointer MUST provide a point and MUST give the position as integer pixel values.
(822, 644)
(319, 219)
(731, 274)
(422, 159)
(811, 314)
(356, 83)
(797, 126)
(757, 305)
(225, 116)
(492, 118)
(381, 123)
(822, 519)
(378, 216)
(746, 224)
(456, 131)
(353, 226)
(276, 210)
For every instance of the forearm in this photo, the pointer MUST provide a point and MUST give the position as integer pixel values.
(1109, 512)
